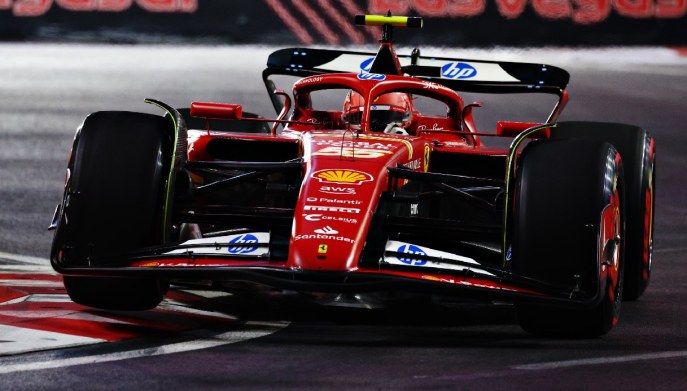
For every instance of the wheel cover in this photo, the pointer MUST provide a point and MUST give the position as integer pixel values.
(611, 249)
(648, 239)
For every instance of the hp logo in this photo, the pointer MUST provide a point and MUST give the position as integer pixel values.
(412, 250)
(371, 76)
(458, 70)
(366, 65)
(243, 239)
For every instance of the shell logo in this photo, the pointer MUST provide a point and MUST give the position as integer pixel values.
(342, 176)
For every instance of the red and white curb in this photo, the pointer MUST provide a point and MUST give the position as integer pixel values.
(36, 314)
(251, 330)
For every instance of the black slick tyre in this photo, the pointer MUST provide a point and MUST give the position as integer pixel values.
(113, 203)
(638, 151)
(568, 232)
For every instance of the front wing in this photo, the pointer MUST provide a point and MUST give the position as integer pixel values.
(462, 280)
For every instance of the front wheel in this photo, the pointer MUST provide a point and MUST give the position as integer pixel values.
(113, 204)
(569, 232)
(125, 294)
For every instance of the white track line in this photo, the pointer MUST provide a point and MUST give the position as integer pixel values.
(18, 340)
(25, 259)
(671, 250)
(26, 269)
(602, 360)
(30, 283)
(254, 330)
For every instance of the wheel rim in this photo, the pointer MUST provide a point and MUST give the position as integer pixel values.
(612, 246)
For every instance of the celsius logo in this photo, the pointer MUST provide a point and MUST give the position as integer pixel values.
(243, 239)
(458, 70)
(412, 250)
(366, 65)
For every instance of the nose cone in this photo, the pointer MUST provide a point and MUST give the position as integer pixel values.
(332, 217)
(338, 197)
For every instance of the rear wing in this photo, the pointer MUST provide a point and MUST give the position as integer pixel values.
(305, 61)
(458, 74)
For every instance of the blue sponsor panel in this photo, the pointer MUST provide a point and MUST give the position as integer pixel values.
(413, 255)
(245, 240)
(411, 250)
(458, 70)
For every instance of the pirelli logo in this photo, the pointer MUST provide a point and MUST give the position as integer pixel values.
(339, 209)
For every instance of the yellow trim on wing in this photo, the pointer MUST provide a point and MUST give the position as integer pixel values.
(379, 20)
(168, 187)
(509, 177)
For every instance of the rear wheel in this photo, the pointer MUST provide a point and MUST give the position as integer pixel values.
(637, 149)
(113, 203)
(569, 229)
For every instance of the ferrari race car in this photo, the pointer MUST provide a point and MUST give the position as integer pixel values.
(373, 180)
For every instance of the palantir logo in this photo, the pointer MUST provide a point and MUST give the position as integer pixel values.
(411, 250)
(366, 65)
(243, 239)
(458, 70)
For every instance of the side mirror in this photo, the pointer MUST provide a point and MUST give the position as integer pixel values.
(466, 115)
(284, 110)
(210, 110)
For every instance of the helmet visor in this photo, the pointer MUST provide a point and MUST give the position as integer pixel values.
(379, 119)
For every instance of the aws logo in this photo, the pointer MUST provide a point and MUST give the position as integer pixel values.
(337, 190)
(350, 177)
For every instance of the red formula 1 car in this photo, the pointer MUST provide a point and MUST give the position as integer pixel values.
(373, 181)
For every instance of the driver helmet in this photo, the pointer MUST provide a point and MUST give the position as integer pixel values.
(388, 112)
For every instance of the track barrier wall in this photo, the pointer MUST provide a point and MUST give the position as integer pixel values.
(320, 22)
